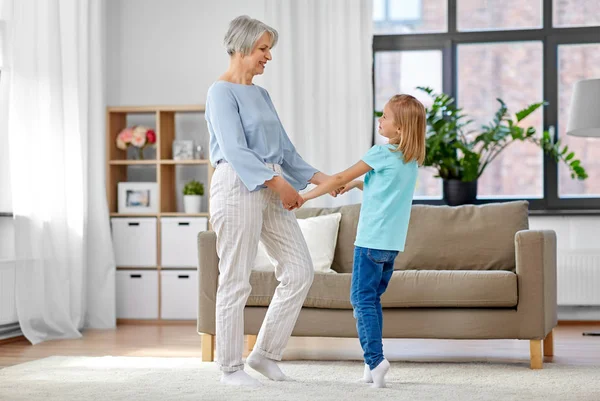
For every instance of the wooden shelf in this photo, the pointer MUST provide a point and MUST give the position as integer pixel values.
(197, 108)
(164, 214)
(166, 174)
(168, 214)
(114, 214)
(132, 162)
(197, 161)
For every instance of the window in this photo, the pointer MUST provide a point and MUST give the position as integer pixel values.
(402, 72)
(477, 15)
(576, 62)
(409, 16)
(575, 13)
(494, 70)
(516, 50)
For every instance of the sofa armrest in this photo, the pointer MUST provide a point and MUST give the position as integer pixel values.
(535, 253)
(208, 277)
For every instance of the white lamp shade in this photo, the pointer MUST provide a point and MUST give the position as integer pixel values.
(584, 113)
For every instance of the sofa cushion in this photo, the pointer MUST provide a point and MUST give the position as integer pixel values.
(344, 250)
(467, 237)
(320, 234)
(407, 288)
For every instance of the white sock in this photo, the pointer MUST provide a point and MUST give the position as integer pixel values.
(367, 378)
(379, 373)
(265, 366)
(239, 378)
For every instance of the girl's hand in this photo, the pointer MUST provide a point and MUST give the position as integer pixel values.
(349, 186)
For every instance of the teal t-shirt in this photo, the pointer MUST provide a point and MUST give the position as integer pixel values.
(387, 200)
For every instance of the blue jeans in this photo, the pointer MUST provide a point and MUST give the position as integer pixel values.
(371, 275)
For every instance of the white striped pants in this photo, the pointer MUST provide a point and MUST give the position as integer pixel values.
(240, 218)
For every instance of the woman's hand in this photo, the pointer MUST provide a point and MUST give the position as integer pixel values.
(288, 195)
(290, 198)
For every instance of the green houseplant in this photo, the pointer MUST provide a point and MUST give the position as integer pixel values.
(461, 154)
(192, 196)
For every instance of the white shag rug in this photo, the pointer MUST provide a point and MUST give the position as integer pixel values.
(149, 379)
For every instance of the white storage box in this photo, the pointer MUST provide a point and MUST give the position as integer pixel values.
(179, 240)
(134, 241)
(179, 294)
(137, 294)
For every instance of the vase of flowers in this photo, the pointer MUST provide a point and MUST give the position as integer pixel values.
(137, 136)
(192, 196)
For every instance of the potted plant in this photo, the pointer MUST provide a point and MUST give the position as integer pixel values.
(192, 196)
(460, 154)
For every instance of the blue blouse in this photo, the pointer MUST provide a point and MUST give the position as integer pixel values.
(246, 132)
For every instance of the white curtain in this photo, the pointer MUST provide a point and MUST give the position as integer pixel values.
(55, 122)
(320, 81)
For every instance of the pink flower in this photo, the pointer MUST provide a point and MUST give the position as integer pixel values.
(125, 135)
(120, 144)
(139, 136)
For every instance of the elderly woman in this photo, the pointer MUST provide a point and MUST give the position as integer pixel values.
(254, 188)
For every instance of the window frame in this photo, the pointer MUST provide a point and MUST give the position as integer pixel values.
(551, 38)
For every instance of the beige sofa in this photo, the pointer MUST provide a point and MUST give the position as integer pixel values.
(469, 272)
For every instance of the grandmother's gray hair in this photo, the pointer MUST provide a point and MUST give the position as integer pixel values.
(243, 33)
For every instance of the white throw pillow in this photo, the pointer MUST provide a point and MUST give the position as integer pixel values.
(262, 262)
(320, 234)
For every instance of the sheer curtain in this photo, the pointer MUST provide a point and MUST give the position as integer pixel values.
(320, 81)
(55, 123)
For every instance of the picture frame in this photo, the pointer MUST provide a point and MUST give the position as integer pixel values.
(183, 149)
(137, 197)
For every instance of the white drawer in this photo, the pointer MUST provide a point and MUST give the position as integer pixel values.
(179, 240)
(134, 241)
(179, 294)
(137, 294)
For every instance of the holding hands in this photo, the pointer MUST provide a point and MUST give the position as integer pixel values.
(291, 199)
(337, 184)
(351, 185)
(339, 191)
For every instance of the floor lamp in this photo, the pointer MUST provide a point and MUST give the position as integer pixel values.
(584, 119)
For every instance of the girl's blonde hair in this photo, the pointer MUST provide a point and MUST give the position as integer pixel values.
(409, 115)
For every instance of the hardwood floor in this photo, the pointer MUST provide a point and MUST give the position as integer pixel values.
(570, 347)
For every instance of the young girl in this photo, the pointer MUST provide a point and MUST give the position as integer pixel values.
(391, 175)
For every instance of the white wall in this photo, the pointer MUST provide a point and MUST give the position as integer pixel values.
(573, 233)
(168, 51)
(579, 235)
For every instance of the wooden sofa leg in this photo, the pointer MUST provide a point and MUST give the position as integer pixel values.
(535, 352)
(208, 347)
(250, 342)
(549, 344)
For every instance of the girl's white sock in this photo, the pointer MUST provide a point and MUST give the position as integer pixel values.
(367, 375)
(379, 373)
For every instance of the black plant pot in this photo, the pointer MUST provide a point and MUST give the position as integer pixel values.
(457, 192)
